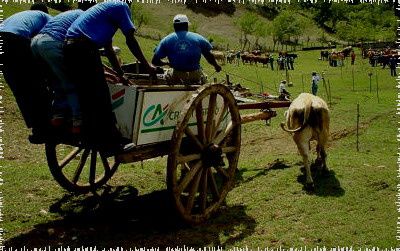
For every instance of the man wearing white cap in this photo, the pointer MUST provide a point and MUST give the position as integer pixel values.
(183, 50)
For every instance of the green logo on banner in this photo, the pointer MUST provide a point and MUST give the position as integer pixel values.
(154, 114)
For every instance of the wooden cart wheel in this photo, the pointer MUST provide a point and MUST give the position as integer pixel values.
(201, 166)
(79, 169)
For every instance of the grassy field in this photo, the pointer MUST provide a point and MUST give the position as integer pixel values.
(352, 206)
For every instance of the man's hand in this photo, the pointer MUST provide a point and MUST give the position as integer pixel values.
(152, 70)
(124, 80)
(217, 68)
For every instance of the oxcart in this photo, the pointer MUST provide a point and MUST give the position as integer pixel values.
(198, 127)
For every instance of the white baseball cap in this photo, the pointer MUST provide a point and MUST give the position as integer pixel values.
(181, 18)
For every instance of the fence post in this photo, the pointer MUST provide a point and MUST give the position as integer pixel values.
(358, 122)
(352, 75)
(330, 94)
(326, 88)
(377, 86)
(370, 81)
(227, 80)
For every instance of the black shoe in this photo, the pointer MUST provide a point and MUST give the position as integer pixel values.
(37, 138)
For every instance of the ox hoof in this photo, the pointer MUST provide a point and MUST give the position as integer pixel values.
(309, 187)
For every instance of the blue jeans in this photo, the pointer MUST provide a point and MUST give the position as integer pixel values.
(50, 51)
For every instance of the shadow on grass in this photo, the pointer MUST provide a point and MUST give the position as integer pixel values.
(118, 217)
(325, 183)
(275, 165)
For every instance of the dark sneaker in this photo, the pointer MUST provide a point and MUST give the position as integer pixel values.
(37, 138)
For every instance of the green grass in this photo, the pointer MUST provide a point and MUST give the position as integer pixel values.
(353, 206)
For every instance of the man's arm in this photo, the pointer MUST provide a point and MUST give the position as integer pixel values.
(134, 47)
(211, 60)
(112, 58)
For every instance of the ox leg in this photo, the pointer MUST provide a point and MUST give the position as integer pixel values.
(323, 158)
(302, 140)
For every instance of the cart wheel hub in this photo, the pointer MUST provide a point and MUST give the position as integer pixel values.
(212, 156)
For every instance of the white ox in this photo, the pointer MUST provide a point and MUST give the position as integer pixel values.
(308, 119)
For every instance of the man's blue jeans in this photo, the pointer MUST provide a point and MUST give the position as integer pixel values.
(50, 51)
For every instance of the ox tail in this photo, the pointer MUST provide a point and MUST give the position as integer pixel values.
(283, 124)
(306, 115)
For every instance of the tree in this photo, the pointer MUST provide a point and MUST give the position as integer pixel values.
(247, 24)
(287, 25)
(261, 30)
(142, 16)
(323, 12)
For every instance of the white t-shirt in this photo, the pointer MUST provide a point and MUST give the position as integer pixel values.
(315, 79)
(282, 87)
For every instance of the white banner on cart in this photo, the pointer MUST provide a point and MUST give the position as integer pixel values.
(160, 113)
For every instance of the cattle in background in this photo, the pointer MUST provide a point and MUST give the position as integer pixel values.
(346, 51)
(230, 58)
(219, 56)
(308, 119)
(324, 55)
(248, 58)
(262, 60)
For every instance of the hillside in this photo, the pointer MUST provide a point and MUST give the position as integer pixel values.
(289, 24)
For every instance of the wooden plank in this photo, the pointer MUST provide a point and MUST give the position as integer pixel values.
(263, 105)
(145, 152)
(257, 116)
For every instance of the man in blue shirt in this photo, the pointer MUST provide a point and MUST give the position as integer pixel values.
(183, 50)
(48, 46)
(21, 71)
(92, 30)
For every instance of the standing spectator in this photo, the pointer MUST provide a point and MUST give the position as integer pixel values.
(271, 61)
(283, 93)
(353, 57)
(183, 50)
(314, 82)
(393, 64)
(21, 71)
(291, 62)
(92, 30)
(47, 46)
(334, 57)
(238, 57)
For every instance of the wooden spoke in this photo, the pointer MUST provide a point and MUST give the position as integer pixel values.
(186, 158)
(193, 137)
(213, 185)
(70, 157)
(229, 149)
(200, 122)
(81, 164)
(193, 192)
(200, 190)
(68, 171)
(203, 192)
(219, 118)
(222, 172)
(223, 134)
(189, 177)
(106, 166)
(210, 116)
(92, 174)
